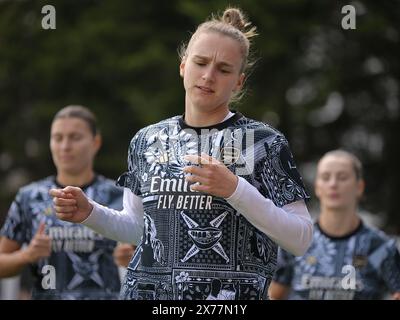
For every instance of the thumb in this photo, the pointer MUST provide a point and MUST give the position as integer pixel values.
(42, 228)
(75, 191)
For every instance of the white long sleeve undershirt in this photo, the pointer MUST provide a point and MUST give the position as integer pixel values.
(289, 226)
(125, 225)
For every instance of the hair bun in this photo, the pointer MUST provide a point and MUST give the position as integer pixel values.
(237, 19)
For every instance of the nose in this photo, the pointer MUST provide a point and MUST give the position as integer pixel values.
(65, 144)
(333, 182)
(209, 74)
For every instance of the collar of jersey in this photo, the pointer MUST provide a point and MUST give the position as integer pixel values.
(219, 126)
(344, 237)
(59, 185)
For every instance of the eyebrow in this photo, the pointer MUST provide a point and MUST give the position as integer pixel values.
(59, 133)
(222, 63)
(337, 172)
(54, 134)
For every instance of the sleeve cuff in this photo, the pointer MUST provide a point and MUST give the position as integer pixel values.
(237, 194)
(93, 217)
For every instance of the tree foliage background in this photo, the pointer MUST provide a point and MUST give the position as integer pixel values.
(324, 87)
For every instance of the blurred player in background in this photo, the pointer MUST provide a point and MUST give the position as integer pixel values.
(80, 259)
(347, 259)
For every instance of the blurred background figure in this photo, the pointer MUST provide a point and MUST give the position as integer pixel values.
(67, 261)
(123, 254)
(347, 259)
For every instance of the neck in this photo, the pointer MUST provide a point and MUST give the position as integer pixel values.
(338, 222)
(76, 180)
(195, 117)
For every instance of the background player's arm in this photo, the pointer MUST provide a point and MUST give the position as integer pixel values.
(13, 258)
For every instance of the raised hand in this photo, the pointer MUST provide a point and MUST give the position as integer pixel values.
(40, 245)
(71, 204)
(211, 177)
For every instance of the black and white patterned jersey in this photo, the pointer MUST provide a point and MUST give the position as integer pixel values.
(362, 265)
(82, 259)
(194, 245)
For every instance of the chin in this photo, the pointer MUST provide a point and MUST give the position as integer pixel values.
(69, 170)
(336, 206)
(201, 104)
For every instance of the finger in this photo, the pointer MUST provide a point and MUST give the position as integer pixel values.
(199, 179)
(209, 159)
(59, 193)
(42, 245)
(64, 202)
(194, 170)
(204, 159)
(75, 191)
(65, 209)
(55, 192)
(43, 238)
(64, 216)
(200, 188)
(193, 158)
(42, 228)
(196, 159)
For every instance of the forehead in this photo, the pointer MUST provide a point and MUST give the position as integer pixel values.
(335, 164)
(215, 45)
(69, 125)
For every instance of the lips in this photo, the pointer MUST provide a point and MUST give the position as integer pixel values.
(66, 158)
(205, 89)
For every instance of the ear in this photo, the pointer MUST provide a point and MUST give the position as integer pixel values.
(360, 188)
(316, 188)
(182, 68)
(316, 191)
(240, 82)
(97, 142)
